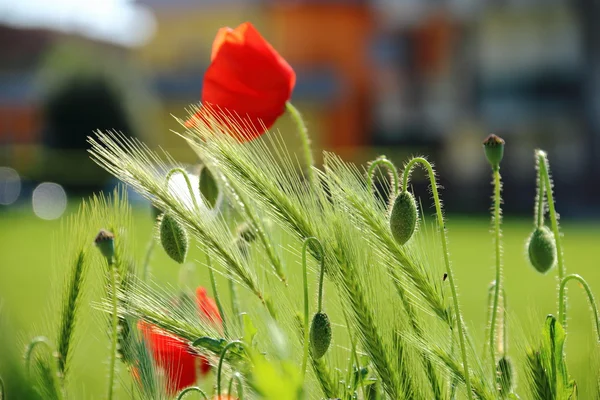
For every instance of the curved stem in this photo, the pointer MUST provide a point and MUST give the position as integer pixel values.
(498, 280)
(321, 276)
(540, 201)
(213, 284)
(32, 345)
(590, 296)
(191, 389)
(222, 357)
(545, 175)
(382, 161)
(240, 386)
(147, 256)
(187, 181)
(307, 241)
(442, 228)
(303, 133)
(114, 330)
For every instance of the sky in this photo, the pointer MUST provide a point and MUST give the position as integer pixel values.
(122, 22)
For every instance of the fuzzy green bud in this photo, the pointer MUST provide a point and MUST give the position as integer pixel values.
(541, 249)
(403, 218)
(320, 335)
(504, 376)
(208, 187)
(494, 150)
(246, 232)
(105, 241)
(174, 238)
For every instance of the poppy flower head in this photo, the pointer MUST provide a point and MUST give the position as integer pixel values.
(247, 84)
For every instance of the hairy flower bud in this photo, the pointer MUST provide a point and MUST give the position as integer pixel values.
(105, 240)
(403, 218)
(494, 150)
(541, 249)
(174, 238)
(320, 335)
(208, 187)
(504, 376)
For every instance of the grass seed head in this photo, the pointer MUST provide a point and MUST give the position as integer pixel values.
(541, 249)
(403, 219)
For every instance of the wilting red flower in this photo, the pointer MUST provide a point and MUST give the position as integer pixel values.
(247, 83)
(180, 363)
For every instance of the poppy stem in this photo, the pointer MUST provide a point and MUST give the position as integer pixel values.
(442, 229)
(305, 284)
(303, 133)
(147, 257)
(544, 171)
(187, 181)
(192, 389)
(240, 386)
(114, 332)
(31, 346)
(213, 284)
(382, 161)
(498, 280)
(590, 295)
(222, 357)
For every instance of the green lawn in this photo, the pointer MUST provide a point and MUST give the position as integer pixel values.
(29, 282)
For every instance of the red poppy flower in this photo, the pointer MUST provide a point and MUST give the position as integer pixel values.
(247, 83)
(180, 363)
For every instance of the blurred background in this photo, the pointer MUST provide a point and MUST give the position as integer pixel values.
(394, 77)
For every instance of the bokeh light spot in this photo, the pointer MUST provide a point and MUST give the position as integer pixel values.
(49, 200)
(10, 185)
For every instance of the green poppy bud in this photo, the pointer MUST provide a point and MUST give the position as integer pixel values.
(247, 232)
(504, 376)
(320, 335)
(105, 241)
(208, 187)
(542, 249)
(174, 238)
(403, 219)
(494, 150)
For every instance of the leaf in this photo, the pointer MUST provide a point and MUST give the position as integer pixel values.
(249, 330)
(208, 187)
(548, 370)
(214, 345)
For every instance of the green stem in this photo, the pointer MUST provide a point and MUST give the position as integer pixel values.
(382, 161)
(590, 296)
(240, 386)
(32, 345)
(192, 389)
(498, 280)
(303, 133)
(442, 228)
(235, 307)
(147, 256)
(562, 295)
(222, 357)
(187, 181)
(2, 390)
(213, 284)
(114, 332)
(305, 282)
(540, 201)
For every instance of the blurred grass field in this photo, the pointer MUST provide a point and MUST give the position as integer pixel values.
(30, 284)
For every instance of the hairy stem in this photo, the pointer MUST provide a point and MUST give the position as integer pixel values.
(114, 330)
(31, 347)
(221, 358)
(442, 228)
(303, 133)
(192, 389)
(540, 202)
(147, 257)
(305, 284)
(590, 296)
(213, 284)
(240, 386)
(382, 161)
(498, 280)
(545, 175)
(187, 181)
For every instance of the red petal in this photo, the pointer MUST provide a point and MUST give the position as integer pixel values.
(207, 306)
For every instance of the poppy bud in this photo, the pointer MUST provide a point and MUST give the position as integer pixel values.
(403, 219)
(208, 187)
(504, 376)
(494, 150)
(320, 335)
(542, 249)
(173, 238)
(247, 233)
(105, 241)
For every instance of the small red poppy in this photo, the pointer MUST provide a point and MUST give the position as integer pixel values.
(247, 83)
(173, 354)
